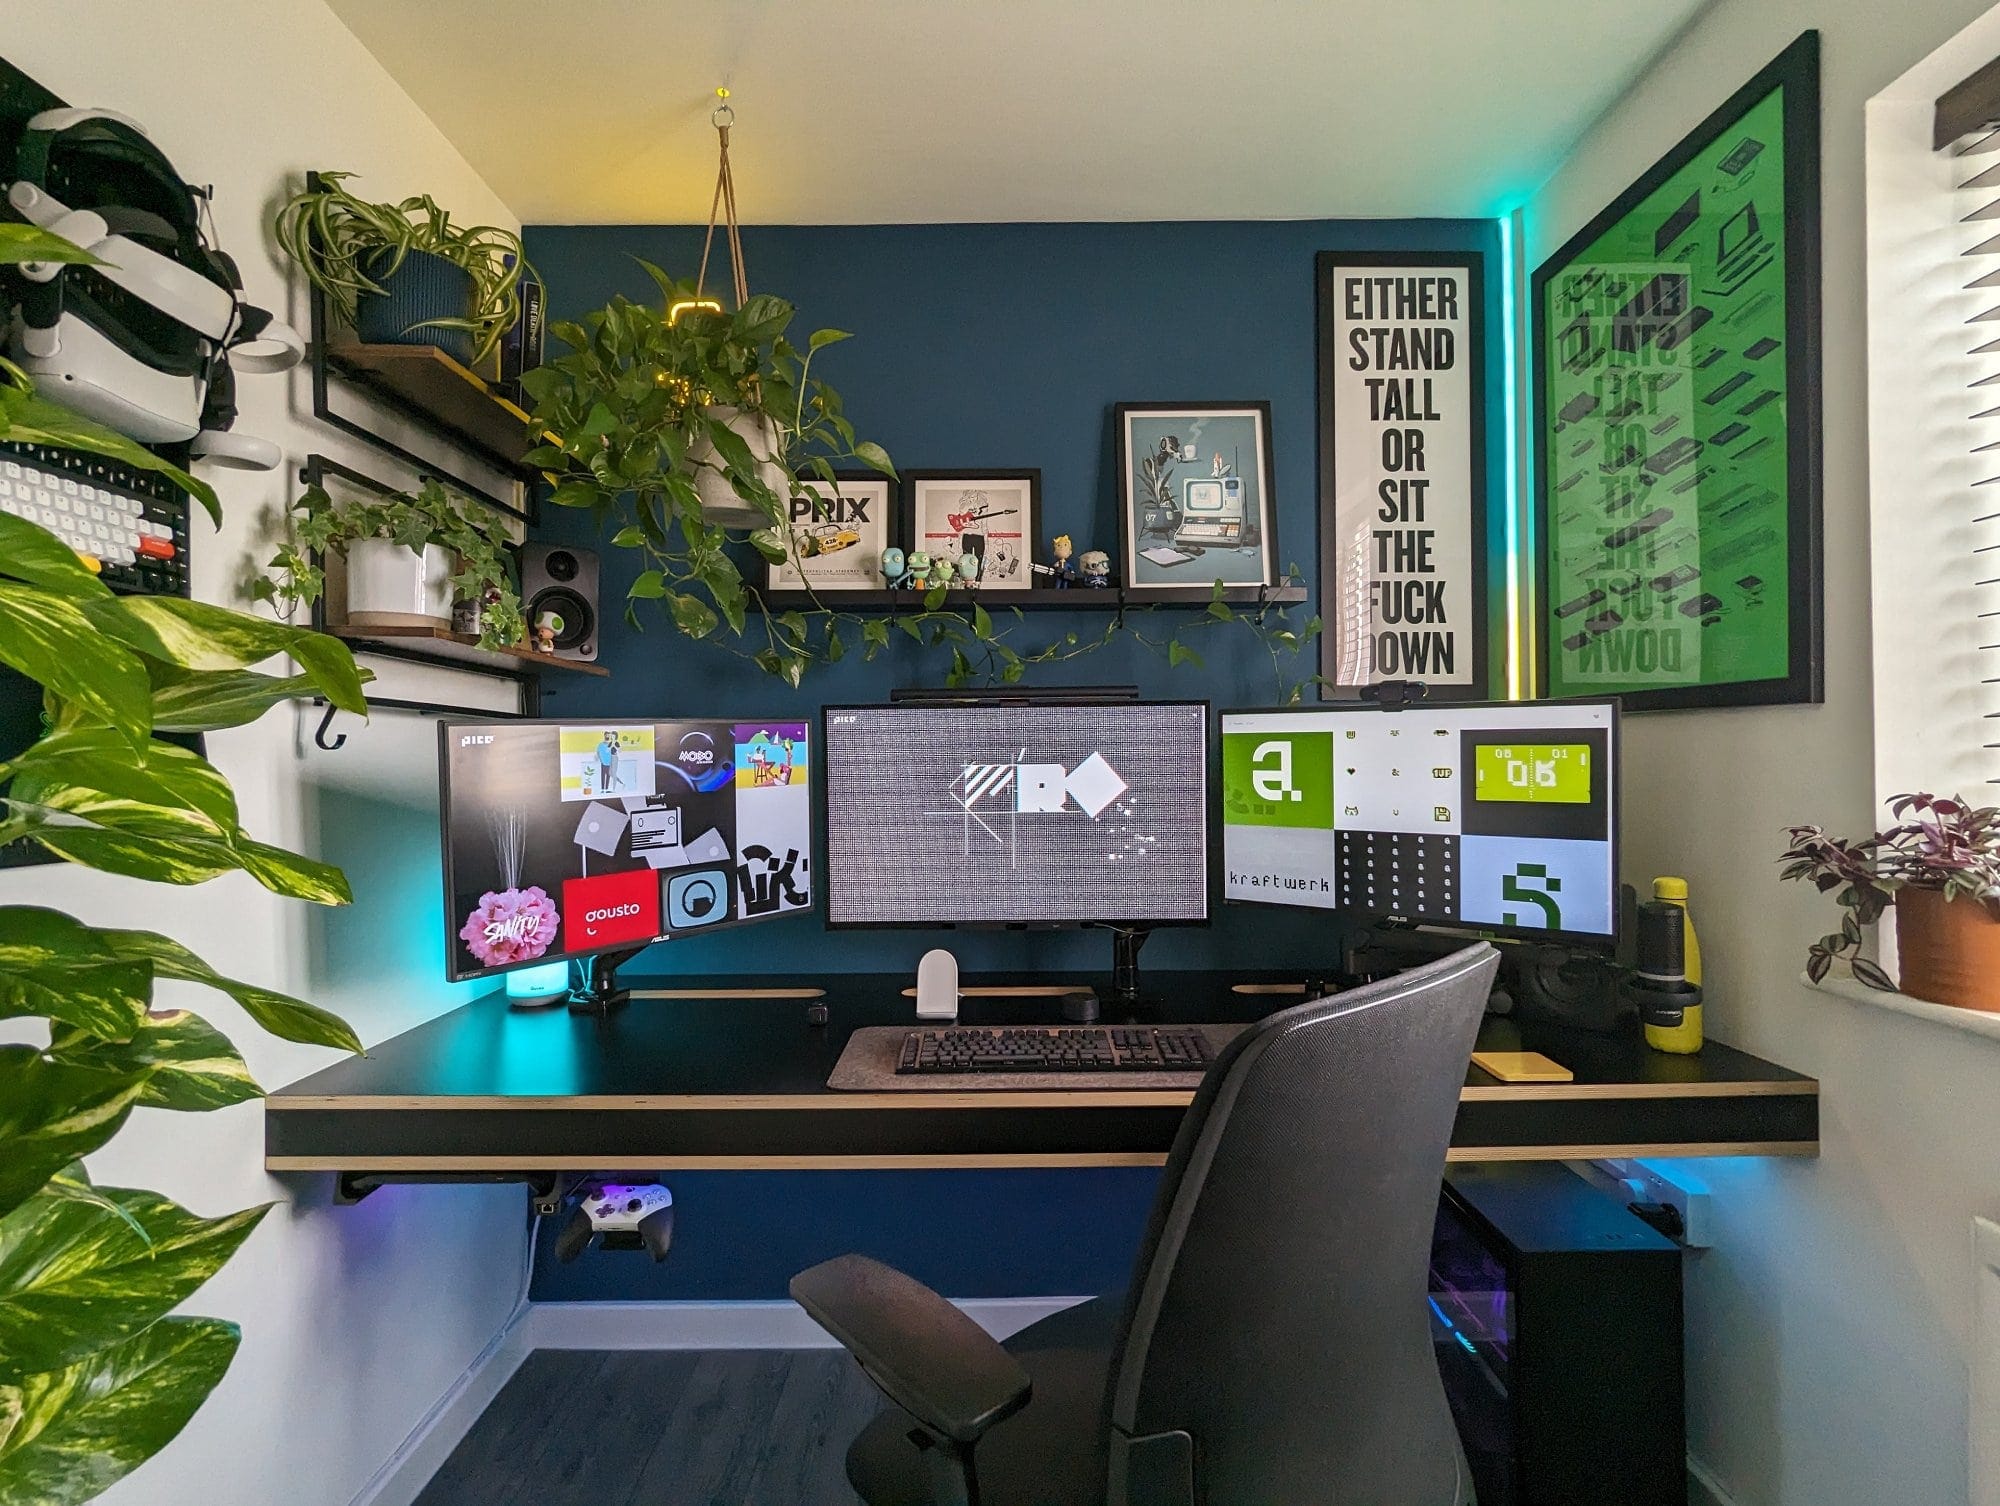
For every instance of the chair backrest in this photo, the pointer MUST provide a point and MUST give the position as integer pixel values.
(1277, 1313)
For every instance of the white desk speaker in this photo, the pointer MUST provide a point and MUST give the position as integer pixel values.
(937, 986)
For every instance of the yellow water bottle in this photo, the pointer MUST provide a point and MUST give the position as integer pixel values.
(1685, 1038)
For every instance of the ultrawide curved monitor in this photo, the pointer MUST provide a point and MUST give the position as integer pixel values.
(563, 838)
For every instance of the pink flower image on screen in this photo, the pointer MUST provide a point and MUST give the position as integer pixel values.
(510, 925)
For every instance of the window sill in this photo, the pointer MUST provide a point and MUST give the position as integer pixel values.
(1975, 1021)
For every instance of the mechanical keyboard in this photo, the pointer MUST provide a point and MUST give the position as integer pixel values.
(130, 526)
(1055, 1048)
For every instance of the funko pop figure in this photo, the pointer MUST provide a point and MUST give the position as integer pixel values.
(1096, 568)
(895, 573)
(920, 570)
(968, 569)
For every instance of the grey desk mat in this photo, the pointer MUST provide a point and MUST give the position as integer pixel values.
(868, 1065)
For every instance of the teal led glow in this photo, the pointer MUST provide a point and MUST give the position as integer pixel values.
(1510, 421)
(538, 982)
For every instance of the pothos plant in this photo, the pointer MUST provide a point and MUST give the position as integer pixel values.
(1936, 843)
(478, 542)
(95, 1376)
(640, 407)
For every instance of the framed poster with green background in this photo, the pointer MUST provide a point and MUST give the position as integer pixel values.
(1677, 419)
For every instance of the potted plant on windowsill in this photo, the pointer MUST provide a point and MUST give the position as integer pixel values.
(1939, 866)
(410, 560)
(404, 274)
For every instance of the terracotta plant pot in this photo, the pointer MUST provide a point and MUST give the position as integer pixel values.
(1949, 949)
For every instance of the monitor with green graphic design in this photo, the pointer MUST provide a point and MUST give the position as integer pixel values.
(1500, 818)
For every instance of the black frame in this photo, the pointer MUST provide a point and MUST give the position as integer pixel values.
(1054, 698)
(1473, 264)
(906, 508)
(1615, 811)
(1267, 517)
(450, 722)
(1796, 71)
(892, 535)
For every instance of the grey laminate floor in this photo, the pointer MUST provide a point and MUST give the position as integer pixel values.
(738, 1427)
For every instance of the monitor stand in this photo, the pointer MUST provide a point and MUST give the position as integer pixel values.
(1082, 1007)
(598, 993)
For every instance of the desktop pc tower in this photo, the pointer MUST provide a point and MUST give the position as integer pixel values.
(1556, 1319)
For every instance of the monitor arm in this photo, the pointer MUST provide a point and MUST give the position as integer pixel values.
(598, 993)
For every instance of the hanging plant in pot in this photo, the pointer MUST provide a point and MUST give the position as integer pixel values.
(1939, 866)
(412, 561)
(404, 274)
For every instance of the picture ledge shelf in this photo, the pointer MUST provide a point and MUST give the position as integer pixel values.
(454, 650)
(1973, 1021)
(1040, 599)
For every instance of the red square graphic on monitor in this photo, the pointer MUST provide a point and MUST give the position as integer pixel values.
(610, 909)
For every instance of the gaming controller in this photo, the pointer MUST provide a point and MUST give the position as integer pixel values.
(620, 1216)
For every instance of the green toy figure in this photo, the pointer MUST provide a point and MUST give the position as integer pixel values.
(920, 570)
(942, 572)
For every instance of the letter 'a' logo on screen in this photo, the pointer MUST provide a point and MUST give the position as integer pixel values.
(1278, 779)
(1271, 771)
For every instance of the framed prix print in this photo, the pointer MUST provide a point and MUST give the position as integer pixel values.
(837, 534)
(1404, 557)
(1194, 499)
(990, 514)
(1677, 422)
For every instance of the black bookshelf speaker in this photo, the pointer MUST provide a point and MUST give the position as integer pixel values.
(562, 582)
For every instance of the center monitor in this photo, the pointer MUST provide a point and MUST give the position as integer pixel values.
(1491, 818)
(1035, 813)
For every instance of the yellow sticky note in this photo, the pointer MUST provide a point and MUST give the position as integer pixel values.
(1522, 1066)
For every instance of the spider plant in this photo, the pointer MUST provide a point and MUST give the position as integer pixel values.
(349, 246)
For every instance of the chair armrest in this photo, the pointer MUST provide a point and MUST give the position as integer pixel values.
(929, 1358)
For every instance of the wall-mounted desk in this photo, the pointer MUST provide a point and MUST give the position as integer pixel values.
(691, 1078)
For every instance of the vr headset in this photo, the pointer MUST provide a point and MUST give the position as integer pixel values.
(150, 342)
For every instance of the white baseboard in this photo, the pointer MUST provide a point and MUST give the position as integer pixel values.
(629, 1325)
(1703, 1488)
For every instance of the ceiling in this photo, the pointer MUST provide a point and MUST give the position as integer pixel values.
(902, 111)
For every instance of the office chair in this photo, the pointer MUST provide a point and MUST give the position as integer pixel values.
(1274, 1349)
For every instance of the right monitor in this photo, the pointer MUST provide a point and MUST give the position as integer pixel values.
(1498, 817)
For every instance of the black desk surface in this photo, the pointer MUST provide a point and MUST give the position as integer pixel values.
(727, 1073)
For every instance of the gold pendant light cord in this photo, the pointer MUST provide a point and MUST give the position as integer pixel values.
(724, 202)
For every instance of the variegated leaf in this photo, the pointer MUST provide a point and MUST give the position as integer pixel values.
(67, 1436)
(285, 1017)
(51, 1115)
(55, 967)
(190, 1065)
(78, 1276)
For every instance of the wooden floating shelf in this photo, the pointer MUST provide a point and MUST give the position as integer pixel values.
(454, 397)
(1040, 599)
(456, 649)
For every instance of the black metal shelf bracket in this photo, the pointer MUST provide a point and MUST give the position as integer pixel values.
(321, 740)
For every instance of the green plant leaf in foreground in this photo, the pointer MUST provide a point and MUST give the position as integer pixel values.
(28, 418)
(68, 1436)
(60, 969)
(29, 552)
(51, 1115)
(19, 243)
(210, 700)
(50, 640)
(196, 635)
(283, 1016)
(77, 1277)
(188, 1064)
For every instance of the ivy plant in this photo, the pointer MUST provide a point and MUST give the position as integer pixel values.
(630, 417)
(96, 1375)
(475, 536)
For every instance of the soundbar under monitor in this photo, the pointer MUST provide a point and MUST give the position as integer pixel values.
(1048, 813)
(568, 838)
(1498, 817)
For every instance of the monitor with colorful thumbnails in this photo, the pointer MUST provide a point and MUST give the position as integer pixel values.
(1495, 818)
(565, 838)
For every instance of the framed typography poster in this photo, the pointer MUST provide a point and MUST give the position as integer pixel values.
(1677, 419)
(1402, 467)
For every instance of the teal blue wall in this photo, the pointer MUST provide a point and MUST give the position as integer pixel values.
(984, 345)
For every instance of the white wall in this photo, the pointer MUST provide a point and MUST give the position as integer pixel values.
(1829, 1329)
(354, 1320)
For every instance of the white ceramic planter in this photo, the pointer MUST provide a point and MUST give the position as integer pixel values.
(390, 586)
(719, 502)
